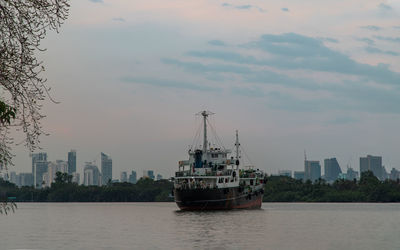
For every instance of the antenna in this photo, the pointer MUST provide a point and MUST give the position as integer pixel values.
(305, 156)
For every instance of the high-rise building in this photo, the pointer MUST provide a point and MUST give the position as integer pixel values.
(298, 175)
(394, 174)
(25, 179)
(42, 156)
(331, 169)
(71, 162)
(13, 177)
(124, 177)
(39, 167)
(351, 174)
(374, 164)
(91, 175)
(148, 174)
(312, 170)
(287, 173)
(132, 177)
(76, 178)
(106, 168)
(52, 169)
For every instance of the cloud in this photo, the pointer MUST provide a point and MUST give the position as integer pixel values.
(118, 19)
(384, 7)
(205, 68)
(167, 83)
(389, 39)
(216, 43)
(294, 51)
(96, 1)
(242, 7)
(371, 27)
(342, 120)
(373, 88)
(352, 98)
(328, 39)
(373, 50)
(248, 91)
(224, 55)
(285, 9)
(366, 40)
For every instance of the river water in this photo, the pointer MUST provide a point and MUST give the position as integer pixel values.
(162, 226)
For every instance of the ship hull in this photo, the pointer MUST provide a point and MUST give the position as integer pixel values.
(217, 199)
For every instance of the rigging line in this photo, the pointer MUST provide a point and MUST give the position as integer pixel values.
(216, 136)
(245, 154)
(196, 137)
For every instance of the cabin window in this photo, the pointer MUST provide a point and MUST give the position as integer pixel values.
(226, 180)
(214, 155)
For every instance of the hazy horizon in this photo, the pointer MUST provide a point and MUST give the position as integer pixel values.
(320, 76)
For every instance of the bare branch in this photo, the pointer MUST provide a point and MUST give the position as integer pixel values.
(23, 24)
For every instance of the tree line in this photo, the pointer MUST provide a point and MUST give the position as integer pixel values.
(63, 190)
(368, 189)
(277, 189)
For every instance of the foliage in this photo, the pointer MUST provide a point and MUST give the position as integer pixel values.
(63, 190)
(23, 25)
(368, 189)
(6, 207)
(278, 189)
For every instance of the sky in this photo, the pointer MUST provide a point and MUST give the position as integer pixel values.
(291, 76)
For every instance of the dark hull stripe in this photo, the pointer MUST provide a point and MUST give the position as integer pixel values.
(217, 199)
(256, 204)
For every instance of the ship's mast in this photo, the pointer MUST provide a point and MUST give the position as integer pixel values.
(237, 145)
(205, 114)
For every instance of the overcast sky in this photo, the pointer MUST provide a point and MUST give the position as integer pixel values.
(320, 76)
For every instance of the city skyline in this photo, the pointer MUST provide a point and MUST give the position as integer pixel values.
(312, 169)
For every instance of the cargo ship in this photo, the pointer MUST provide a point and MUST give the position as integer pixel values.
(214, 179)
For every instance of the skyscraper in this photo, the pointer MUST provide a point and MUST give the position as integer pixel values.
(25, 179)
(312, 170)
(374, 164)
(287, 173)
(394, 174)
(148, 174)
(124, 177)
(52, 169)
(298, 175)
(39, 167)
(132, 177)
(76, 178)
(91, 175)
(331, 169)
(13, 177)
(38, 157)
(71, 162)
(106, 168)
(351, 174)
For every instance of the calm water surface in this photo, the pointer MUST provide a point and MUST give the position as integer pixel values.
(162, 226)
